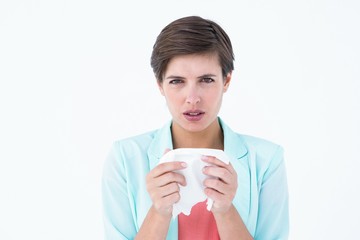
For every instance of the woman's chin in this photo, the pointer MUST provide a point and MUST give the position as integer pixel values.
(192, 126)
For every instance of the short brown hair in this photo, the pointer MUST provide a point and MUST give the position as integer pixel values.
(191, 35)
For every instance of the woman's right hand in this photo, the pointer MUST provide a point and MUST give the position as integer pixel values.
(162, 184)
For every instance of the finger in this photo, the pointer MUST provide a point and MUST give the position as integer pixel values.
(213, 194)
(172, 198)
(217, 185)
(219, 172)
(221, 201)
(167, 167)
(170, 177)
(167, 201)
(165, 204)
(214, 161)
(167, 190)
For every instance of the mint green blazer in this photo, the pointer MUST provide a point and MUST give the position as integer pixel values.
(261, 198)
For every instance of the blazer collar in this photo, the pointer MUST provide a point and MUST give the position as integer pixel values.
(234, 145)
(161, 141)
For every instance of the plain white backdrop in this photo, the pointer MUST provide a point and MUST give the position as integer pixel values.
(75, 76)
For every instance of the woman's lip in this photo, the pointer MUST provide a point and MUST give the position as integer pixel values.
(193, 112)
(193, 116)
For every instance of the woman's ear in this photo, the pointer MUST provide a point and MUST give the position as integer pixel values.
(227, 81)
(160, 86)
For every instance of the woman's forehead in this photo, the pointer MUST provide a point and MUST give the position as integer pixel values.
(194, 63)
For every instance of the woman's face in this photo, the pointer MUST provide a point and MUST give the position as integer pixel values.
(193, 87)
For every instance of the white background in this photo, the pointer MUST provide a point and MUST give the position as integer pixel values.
(75, 75)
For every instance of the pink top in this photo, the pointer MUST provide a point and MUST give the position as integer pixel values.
(200, 224)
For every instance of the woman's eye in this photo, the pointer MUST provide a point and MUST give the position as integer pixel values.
(207, 80)
(175, 81)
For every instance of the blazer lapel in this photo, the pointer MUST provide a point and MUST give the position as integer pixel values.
(236, 149)
(162, 140)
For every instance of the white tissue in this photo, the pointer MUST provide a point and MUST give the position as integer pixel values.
(193, 192)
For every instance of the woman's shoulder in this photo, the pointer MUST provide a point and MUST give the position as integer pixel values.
(266, 154)
(138, 137)
(236, 139)
(135, 141)
(129, 151)
(259, 143)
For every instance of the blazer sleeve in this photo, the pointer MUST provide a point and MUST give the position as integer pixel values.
(273, 215)
(117, 213)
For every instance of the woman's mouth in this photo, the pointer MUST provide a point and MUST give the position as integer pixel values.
(193, 115)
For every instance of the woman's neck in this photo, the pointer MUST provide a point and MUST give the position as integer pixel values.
(211, 137)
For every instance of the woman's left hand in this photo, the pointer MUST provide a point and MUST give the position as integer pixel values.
(221, 186)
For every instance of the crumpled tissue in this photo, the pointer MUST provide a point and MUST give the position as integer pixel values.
(193, 192)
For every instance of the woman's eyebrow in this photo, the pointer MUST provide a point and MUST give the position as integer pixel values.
(174, 76)
(208, 75)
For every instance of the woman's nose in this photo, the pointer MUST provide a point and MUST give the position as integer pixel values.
(193, 96)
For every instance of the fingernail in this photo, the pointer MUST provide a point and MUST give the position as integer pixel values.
(204, 157)
(184, 164)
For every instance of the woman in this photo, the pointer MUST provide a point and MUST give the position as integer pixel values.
(192, 60)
